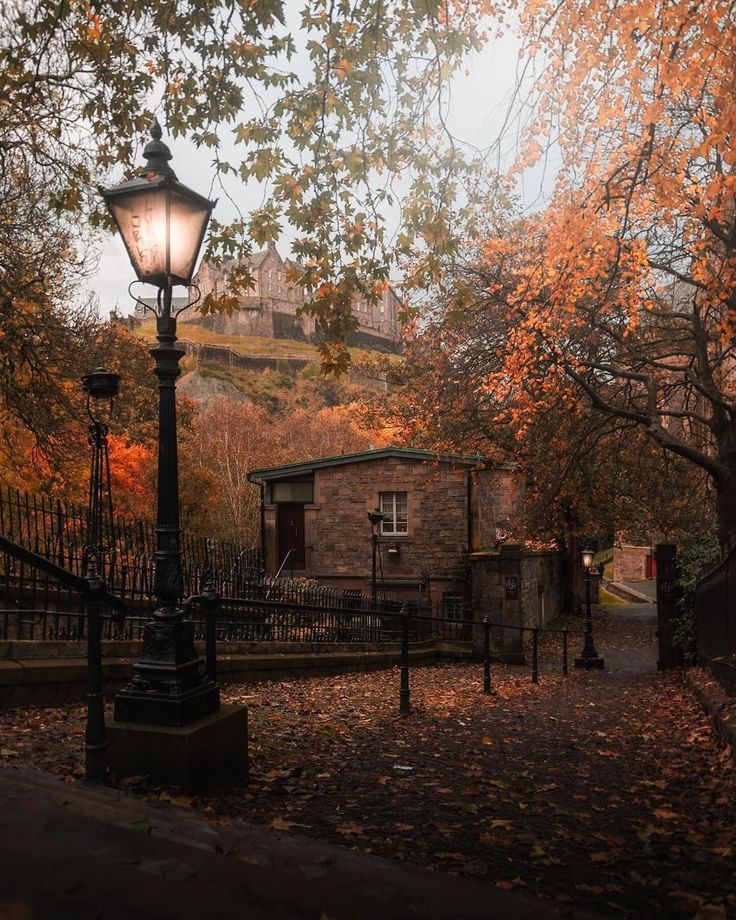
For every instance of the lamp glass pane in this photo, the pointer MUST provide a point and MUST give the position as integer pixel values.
(141, 219)
(188, 223)
(588, 558)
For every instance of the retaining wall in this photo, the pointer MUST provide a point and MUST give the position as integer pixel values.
(53, 681)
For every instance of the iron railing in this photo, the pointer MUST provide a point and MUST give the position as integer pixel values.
(33, 605)
(715, 611)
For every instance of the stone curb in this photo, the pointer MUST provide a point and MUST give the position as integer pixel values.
(715, 700)
(74, 852)
(628, 594)
(54, 681)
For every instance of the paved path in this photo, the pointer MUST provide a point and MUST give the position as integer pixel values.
(603, 791)
(71, 852)
(628, 623)
(648, 587)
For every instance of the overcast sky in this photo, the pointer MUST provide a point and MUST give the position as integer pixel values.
(480, 96)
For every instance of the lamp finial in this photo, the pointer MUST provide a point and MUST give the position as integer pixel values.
(157, 154)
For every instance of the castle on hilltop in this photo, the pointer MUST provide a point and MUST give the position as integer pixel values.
(270, 308)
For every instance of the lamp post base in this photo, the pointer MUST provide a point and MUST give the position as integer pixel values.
(210, 753)
(170, 686)
(594, 662)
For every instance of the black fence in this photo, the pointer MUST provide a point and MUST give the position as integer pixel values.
(715, 611)
(34, 605)
(242, 619)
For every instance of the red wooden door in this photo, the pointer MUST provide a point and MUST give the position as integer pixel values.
(291, 536)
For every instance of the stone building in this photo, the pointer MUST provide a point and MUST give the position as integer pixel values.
(270, 308)
(438, 509)
(632, 561)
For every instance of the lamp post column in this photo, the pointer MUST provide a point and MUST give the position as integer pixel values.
(374, 590)
(170, 685)
(375, 517)
(167, 584)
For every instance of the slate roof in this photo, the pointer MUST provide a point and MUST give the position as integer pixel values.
(294, 470)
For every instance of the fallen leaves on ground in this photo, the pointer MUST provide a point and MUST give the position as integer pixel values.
(601, 790)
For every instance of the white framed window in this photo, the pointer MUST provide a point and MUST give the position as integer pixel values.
(395, 508)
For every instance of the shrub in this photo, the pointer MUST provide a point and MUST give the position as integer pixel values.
(695, 556)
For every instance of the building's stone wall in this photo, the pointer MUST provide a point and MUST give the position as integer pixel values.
(262, 311)
(535, 601)
(432, 558)
(376, 341)
(222, 356)
(435, 547)
(630, 562)
(497, 500)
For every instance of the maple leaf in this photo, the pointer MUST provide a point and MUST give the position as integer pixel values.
(666, 814)
(284, 824)
(350, 830)
(602, 857)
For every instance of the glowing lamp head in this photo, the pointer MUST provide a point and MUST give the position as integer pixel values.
(162, 222)
(587, 557)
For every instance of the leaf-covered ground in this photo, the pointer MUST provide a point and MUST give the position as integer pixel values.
(606, 790)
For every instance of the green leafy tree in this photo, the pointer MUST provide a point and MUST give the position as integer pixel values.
(695, 555)
(326, 104)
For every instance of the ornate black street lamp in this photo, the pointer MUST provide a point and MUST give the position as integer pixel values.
(589, 657)
(163, 224)
(375, 517)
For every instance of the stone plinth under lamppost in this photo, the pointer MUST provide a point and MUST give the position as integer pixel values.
(163, 224)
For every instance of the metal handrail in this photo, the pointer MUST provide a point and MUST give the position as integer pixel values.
(281, 568)
(79, 583)
(92, 592)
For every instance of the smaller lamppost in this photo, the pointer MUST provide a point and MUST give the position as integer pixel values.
(375, 517)
(101, 388)
(589, 657)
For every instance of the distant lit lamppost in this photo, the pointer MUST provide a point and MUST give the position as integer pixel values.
(375, 517)
(589, 657)
(162, 224)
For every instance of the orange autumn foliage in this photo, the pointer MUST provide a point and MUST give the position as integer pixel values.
(132, 476)
(622, 291)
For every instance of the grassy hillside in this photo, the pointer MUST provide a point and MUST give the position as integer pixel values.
(278, 388)
(272, 389)
(248, 344)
